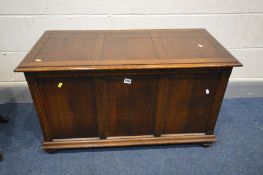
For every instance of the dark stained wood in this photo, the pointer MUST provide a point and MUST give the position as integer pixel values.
(200, 102)
(218, 99)
(38, 103)
(130, 107)
(70, 108)
(100, 107)
(188, 108)
(160, 112)
(125, 88)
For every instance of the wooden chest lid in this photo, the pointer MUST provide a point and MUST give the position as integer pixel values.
(126, 49)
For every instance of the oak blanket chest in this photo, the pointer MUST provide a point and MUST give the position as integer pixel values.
(103, 88)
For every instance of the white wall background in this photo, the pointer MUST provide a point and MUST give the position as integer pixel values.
(237, 24)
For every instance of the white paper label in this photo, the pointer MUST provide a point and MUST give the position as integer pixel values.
(127, 80)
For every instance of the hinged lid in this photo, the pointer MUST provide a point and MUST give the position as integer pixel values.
(126, 49)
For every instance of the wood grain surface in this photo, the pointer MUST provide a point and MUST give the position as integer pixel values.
(125, 88)
(134, 49)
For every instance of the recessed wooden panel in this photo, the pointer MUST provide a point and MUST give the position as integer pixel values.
(70, 106)
(189, 103)
(130, 107)
(128, 48)
(63, 49)
(188, 47)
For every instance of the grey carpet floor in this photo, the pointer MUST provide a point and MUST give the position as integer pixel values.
(239, 149)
